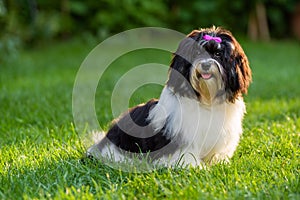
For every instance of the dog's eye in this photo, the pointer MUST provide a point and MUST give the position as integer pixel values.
(217, 53)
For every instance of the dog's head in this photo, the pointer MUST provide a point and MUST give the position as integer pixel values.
(211, 66)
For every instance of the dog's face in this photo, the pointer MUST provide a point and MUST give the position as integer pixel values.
(211, 66)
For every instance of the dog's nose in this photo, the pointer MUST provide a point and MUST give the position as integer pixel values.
(206, 65)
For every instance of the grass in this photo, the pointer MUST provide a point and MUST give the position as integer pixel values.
(40, 155)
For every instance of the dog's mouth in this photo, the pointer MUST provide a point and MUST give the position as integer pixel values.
(206, 76)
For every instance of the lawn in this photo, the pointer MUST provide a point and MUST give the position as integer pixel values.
(41, 153)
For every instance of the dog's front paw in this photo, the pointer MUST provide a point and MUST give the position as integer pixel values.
(217, 158)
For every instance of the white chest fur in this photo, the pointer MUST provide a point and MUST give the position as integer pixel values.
(206, 132)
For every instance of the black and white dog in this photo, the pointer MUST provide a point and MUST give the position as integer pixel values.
(198, 118)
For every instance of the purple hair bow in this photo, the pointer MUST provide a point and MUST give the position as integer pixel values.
(216, 39)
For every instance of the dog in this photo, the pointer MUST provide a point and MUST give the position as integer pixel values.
(198, 117)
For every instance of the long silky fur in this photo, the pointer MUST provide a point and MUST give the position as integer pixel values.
(180, 125)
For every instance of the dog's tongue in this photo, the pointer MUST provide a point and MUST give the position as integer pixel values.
(206, 76)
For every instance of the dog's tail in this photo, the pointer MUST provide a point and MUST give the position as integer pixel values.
(96, 138)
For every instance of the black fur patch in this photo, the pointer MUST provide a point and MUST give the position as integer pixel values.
(123, 139)
(179, 78)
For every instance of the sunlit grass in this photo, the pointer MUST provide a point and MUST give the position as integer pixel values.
(41, 152)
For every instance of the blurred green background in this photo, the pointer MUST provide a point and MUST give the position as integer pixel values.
(27, 23)
(43, 43)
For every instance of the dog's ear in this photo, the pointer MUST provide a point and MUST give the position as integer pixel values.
(239, 74)
(179, 71)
